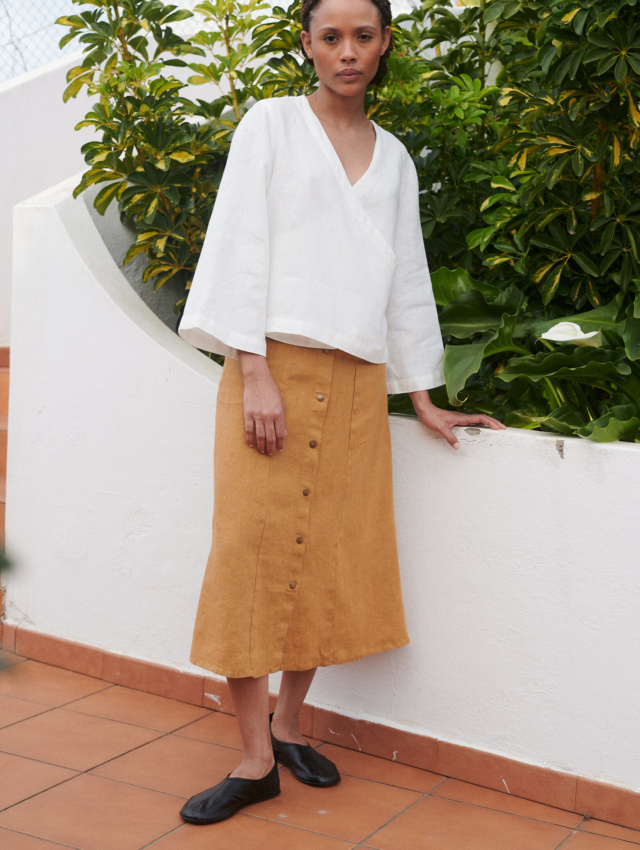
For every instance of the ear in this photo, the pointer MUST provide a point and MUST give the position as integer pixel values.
(386, 38)
(306, 43)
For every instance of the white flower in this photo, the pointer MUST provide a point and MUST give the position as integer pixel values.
(570, 332)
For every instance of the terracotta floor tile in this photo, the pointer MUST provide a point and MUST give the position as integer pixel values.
(13, 710)
(148, 710)
(244, 832)
(216, 728)
(453, 789)
(352, 763)
(7, 659)
(610, 830)
(21, 778)
(219, 728)
(10, 840)
(351, 811)
(587, 841)
(72, 740)
(47, 685)
(91, 813)
(440, 824)
(173, 765)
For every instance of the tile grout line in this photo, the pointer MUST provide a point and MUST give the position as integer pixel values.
(571, 834)
(395, 817)
(28, 834)
(371, 835)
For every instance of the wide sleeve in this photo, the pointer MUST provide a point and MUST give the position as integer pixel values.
(414, 342)
(226, 304)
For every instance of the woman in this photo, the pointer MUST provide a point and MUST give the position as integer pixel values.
(312, 278)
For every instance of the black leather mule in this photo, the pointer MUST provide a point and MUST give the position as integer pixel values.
(306, 764)
(229, 796)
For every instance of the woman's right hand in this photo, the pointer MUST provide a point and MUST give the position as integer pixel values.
(263, 406)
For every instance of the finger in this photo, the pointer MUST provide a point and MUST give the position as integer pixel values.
(479, 419)
(270, 437)
(450, 437)
(249, 431)
(260, 436)
(281, 432)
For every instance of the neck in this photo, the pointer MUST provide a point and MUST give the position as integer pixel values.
(339, 110)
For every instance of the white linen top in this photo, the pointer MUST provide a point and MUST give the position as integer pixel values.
(293, 251)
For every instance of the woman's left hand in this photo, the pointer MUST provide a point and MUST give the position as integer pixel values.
(442, 421)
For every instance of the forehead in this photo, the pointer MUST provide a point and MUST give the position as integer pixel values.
(345, 14)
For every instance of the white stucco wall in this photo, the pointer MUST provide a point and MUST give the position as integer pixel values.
(38, 148)
(518, 553)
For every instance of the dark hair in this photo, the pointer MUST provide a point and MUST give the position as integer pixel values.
(384, 10)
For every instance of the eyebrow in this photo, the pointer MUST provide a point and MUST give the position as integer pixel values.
(337, 29)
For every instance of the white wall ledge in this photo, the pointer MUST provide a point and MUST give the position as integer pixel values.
(519, 562)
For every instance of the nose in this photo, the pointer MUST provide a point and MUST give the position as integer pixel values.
(348, 51)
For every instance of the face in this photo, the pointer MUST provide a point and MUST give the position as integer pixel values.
(346, 40)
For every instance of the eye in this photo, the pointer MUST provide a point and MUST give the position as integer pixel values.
(365, 37)
(330, 39)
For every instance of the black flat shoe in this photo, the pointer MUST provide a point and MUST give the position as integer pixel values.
(306, 764)
(229, 796)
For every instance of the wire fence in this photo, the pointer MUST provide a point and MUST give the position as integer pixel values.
(29, 36)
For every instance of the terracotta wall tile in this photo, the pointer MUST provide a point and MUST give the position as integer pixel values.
(550, 787)
(59, 652)
(8, 637)
(608, 802)
(216, 695)
(152, 678)
(541, 784)
(375, 739)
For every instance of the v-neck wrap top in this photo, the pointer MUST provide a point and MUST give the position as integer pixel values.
(295, 252)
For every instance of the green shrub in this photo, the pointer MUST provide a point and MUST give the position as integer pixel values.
(529, 205)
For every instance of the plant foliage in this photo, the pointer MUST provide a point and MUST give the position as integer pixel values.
(523, 119)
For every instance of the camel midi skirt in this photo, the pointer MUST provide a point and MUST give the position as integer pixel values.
(303, 569)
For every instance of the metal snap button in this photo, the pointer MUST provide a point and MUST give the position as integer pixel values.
(306, 491)
(320, 397)
(292, 585)
(312, 444)
(299, 539)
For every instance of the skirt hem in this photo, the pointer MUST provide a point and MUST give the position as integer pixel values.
(219, 671)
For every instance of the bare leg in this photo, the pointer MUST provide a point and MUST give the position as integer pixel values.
(286, 718)
(251, 701)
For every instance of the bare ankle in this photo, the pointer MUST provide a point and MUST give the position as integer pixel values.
(254, 767)
(287, 731)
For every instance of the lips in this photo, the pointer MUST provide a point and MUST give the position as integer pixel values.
(351, 72)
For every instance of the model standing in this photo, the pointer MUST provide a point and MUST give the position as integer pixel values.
(313, 282)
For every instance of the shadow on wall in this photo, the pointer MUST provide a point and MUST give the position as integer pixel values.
(118, 236)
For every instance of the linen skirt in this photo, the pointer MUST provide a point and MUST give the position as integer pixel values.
(303, 569)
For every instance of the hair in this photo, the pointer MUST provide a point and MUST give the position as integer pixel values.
(386, 16)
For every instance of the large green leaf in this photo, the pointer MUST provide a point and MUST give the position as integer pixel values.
(448, 284)
(471, 313)
(631, 335)
(606, 316)
(461, 361)
(584, 365)
(563, 420)
(620, 423)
